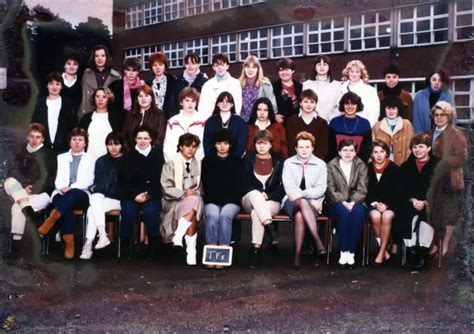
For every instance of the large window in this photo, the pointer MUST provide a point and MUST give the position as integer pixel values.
(254, 42)
(225, 44)
(427, 24)
(152, 13)
(175, 53)
(287, 40)
(326, 36)
(198, 6)
(369, 31)
(200, 47)
(134, 16)
(463, 89)
(464, 21)
(173, 9)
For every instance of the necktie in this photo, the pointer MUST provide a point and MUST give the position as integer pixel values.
(188, 169)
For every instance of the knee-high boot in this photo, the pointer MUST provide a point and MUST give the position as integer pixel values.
(191, 249)
(49, 222)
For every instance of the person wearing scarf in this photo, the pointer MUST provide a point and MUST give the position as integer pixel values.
(425, 99)
(182, 200)
(139, 181)
(192, 76)
(382, 196)
(74, 177)
(394, 129)
(392, 88)
(29, 182)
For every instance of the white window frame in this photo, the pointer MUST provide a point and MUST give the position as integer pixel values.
(245, 39)
(321, 30)
(378, 26)
(196, 7)
(134, 16)
(174, 9)
(153, 5)
(283, 36)
(415, 19)
(174, 51)
(456, 26)
(199, 46)
(223, 44)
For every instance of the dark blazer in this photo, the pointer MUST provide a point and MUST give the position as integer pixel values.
(274, 184)
(115, 121)
(386, 189)
(285, 106)
(37, 169)
(221, 179)
(169, 105)
(238, 131)
(181, 83)
(138, 174)
(67, 121)
(106, 176)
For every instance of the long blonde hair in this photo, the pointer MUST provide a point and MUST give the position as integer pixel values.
(260, 78)
(363, 70)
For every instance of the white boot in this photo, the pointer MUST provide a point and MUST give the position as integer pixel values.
(350, 258)
(102, 242)
(191, 249)
(343, 258)
(86, 251)
(183, 226)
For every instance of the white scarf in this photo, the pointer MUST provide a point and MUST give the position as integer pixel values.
(190, 77)
(145, 151)
(178, 171)
(32, 149)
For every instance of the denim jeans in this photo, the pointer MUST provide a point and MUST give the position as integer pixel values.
(219, 222)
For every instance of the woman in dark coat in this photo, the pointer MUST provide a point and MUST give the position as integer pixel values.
(163, 84)
(382, 196)
(286, 90)
(191, 76)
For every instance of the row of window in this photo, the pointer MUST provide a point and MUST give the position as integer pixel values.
(157, 11)
(421, 25)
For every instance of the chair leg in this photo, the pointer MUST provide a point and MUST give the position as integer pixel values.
(329, 239)
(403, 251)
(440, 252)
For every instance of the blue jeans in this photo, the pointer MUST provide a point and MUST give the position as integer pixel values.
(349, 225)
(219, 222)
(66, 204)
(130, 216)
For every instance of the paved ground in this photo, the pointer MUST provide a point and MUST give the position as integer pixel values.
(103, 295)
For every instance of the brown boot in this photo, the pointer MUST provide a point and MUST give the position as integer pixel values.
(49, 222)
(68, 246)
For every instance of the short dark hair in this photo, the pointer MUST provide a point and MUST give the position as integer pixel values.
(107, 91)
(54, 76)
(444, 76)
(79, 132)
(91, 62)
(222, 135)
(392, 101)
(286, 63)
(189, 92)
(187, 139)
(317, 60)
(382, 144)
(264, 135)
(224, 96)
(114, 137)
(421, 138)
(72, 55)
(271, 112)
(144, 128)
(351, 97)
(37, 127)
(159, 57)
(309, 94)
(133, 62)
(194, 58)
(392, 68)
(220, 58)
(346, 142)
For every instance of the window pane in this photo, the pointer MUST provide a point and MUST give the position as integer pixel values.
(464, 20)
(423, 11)
(463, 85)
(356, 20)
(384, 41)
(355, 33)
(339, 23)
(441, 23)
(423, 25)
(326, 47)
(441, 36)
(406, 27)
(423, 37)
(313, 49)
(406, 39)
(369, 32)
(464, 5)
(313, 38)
(338, 46)
(461, 100)
(463, 113)
(338, 35)
(441, 8)
(370, 43)
(326, 37)
(465, 33)
(406, 13)
(356, 45)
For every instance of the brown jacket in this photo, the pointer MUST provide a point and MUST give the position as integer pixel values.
(279, 146)
(338, 190)
(399, 140)
(407, 101)
(451, 146)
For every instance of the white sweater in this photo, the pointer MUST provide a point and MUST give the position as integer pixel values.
(369, 97)
(179, 125)
(211, 90)
(329, 94)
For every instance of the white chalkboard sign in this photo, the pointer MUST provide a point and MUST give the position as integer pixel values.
(217, 255)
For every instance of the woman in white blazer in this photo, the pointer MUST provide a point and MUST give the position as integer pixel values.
(74, 177)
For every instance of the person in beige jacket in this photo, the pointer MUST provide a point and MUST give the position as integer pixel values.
(394, 129)
(346, 191)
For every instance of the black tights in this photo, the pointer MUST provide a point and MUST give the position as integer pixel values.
(304, 217)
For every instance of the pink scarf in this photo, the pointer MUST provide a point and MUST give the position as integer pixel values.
(127, 96)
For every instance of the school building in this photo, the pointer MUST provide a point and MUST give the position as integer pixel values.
(419, 36)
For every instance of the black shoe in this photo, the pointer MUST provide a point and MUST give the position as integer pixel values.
(274, 250)
(421, 256)
(272, 233)
(153, 248)
(125, 249)
(256, 258)
(31, 215)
